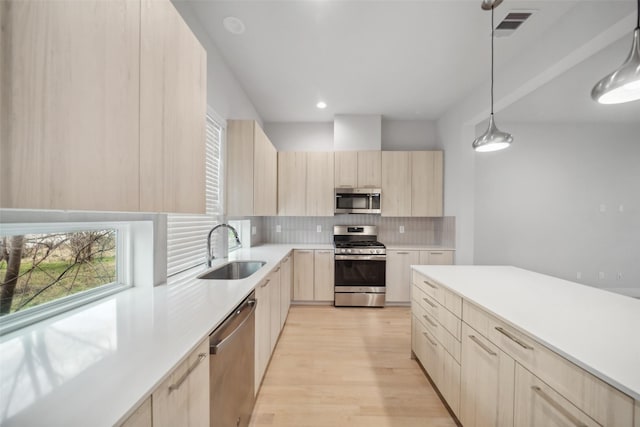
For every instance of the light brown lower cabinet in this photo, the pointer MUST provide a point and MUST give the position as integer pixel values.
(486, 383)
(286, 280)
(141, 416)
(183, 398)
(262, 331)
(537, 404)
(313, 272)
(505, 378)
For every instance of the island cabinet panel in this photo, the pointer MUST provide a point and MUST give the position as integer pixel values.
(596, 398)
(486, 383)
(183, 398)
(141, 417)
(70, 122)
(275, 288)
(537, 404)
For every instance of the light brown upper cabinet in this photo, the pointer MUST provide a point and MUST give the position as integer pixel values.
(358, 169)
(70, 84)
(106, 109)
(320, 189)
(292, 183)
(305, 187)
(173, 107)
(412, 183)
(252, 170)
(426, 183)
(396, 183)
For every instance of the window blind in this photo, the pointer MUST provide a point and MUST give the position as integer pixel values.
(187, 234)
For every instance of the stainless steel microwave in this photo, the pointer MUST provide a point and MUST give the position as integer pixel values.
(357, 200)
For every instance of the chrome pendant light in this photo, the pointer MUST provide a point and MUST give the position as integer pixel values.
(623, 85)
(493, 139)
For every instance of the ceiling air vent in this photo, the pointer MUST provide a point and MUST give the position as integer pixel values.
(511, 22)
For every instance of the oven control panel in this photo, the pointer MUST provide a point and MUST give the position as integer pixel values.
(356, 251)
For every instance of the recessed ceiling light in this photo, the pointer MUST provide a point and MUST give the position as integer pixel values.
(321, 105)
(234, 25)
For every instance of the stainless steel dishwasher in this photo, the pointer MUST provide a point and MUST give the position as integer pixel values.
(231, 367)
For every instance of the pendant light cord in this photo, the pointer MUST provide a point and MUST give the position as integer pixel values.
(492, 31)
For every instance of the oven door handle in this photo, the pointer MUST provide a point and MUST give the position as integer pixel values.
(360, 257)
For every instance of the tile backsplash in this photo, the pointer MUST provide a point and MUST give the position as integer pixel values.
(438, 231)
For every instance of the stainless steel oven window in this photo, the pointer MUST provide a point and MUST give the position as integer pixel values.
(360, 273)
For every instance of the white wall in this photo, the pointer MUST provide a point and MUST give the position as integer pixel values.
(224, 93)
(538, 204)
(307, 136)
(319, 136)
(409, 135)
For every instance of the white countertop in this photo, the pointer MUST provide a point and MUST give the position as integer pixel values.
(408, 247)
(92, 366)
(595, 329)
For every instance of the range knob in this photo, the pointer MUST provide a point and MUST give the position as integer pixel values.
(349, 251)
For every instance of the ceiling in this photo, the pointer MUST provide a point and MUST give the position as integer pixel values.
(401, 59)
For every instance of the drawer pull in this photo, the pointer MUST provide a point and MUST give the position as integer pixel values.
(184, 376)
(402, 253)
(433, 343)
(513, 338)
(430, 284)
(432, 304)
(265, 283)
(303, 252)
(277, 269)
(435, 253)
(482, 345)
(431, 322)
(555, 405)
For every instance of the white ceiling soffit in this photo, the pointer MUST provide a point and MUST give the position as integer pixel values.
(402, 59)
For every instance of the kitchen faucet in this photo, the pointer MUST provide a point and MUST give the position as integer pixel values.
(210, 255)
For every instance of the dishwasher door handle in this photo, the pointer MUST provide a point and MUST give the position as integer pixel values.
(246, 311)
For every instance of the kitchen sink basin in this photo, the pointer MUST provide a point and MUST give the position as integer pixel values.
(234, 270)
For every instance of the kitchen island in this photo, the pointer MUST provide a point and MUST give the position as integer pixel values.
(581, 342)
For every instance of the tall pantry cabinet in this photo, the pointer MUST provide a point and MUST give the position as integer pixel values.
(97, 96)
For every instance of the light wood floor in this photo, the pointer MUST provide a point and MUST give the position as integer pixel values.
(347, 367)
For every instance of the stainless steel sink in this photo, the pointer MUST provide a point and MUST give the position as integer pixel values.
(234, 270)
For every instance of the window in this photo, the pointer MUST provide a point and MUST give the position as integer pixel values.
(49, 268)
(187, 234)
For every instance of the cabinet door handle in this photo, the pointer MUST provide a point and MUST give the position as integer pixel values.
(555, 405)
(436, 253)
(265, 283)
(433, 343)
(430, 284)
(482, 345)
(276, 270)
(303, 252)
(402, 253)
(184, 376)
(431, 322)
(513, 338)
(325, 252)
(432, 304)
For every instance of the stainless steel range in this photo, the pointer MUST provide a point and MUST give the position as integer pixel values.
(360, 264)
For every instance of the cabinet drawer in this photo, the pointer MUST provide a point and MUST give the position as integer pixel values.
(427, 350)
(428, 303)
(596, 398)
(446, 298)
(432, 324)
(537, 404)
